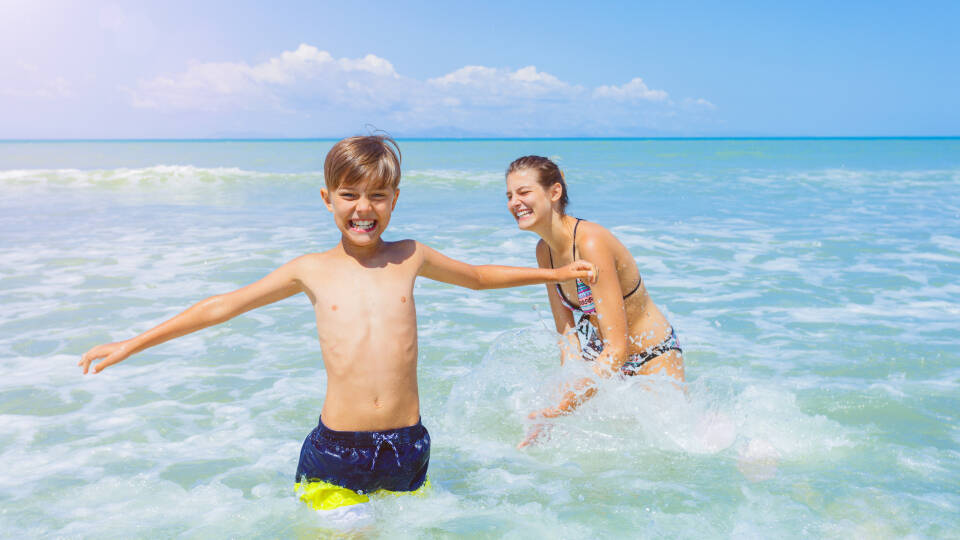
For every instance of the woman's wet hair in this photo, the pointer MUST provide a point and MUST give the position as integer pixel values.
(548, 174)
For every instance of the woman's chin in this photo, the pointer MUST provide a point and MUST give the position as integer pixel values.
(525, 223)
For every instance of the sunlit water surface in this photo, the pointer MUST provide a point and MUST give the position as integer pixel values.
(815, 286)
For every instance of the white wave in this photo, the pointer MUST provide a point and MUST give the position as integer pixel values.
(181, 176)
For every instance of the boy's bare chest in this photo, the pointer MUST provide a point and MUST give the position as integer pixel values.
(348, 290)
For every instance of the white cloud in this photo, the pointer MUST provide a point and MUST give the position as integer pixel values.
(467, 75)
(370, 63)
(278, 83)
(312, 83)
(634, 90)
(699, 103)
(489, 87)
(530, 75)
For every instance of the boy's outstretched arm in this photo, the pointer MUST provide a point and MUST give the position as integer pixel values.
(439, 267)
(279, 284)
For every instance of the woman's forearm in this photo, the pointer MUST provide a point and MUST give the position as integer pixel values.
(609, 362)
(582, 390)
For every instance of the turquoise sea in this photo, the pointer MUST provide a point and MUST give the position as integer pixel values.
(814, 283)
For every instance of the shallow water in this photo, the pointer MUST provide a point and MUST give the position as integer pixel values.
(813, 283)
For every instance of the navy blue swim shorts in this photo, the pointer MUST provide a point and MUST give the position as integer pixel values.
(366, 461)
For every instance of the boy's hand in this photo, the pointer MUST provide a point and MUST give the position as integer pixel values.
(111, 352)
(579, 269)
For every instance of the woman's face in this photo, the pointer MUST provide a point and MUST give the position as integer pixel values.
(527, 200)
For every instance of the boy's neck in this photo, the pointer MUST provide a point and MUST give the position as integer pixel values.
(361, 253)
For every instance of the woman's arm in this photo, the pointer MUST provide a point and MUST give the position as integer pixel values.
(612, 324)
(562, 317)
(439, 267)
(611, 314)
(279, 284)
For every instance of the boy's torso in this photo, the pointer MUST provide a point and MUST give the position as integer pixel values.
(367, 325)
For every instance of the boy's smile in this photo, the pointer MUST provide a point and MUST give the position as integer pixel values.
(363, 225)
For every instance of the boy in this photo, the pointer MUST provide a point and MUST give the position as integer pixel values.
(369, 436)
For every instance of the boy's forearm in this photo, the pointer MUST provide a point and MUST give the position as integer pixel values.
(491, 276)
(201, 315)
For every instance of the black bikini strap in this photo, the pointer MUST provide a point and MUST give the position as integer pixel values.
(639, 281)
(577, 224)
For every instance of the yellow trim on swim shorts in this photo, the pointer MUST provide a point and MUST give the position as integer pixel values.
(326, 496)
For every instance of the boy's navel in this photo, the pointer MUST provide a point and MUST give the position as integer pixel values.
(403, 299)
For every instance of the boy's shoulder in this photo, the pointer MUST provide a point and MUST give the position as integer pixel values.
(407, 243)
(313, 258)
(395, 251)
(403, 250)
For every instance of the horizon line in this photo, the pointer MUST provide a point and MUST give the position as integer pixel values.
(446, 139)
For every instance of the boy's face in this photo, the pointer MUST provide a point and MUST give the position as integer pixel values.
(361, 211)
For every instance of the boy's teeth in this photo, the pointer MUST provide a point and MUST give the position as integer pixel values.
(362, 224)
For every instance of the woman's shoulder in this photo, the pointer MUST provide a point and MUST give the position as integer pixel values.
(593, 236)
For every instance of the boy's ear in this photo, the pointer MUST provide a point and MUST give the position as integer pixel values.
(396, 193)
(325, 195)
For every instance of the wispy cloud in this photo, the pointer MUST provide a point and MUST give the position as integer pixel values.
(309, 81)
(699, 103)
(32, 83)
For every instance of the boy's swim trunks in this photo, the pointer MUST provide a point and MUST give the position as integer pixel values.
(339, 468)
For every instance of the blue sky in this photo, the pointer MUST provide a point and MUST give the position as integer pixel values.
(327, 69)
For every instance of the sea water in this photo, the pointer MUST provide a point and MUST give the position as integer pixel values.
(814, 285)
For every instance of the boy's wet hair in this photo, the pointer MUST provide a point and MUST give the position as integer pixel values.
(368, 158)
(548, 174)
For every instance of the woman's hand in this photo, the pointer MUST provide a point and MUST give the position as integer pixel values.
(537, 432)
(583, 390)
(579, 269)
(566, 407)
(112, 353)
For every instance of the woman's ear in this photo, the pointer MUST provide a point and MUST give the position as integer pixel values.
(555, 191)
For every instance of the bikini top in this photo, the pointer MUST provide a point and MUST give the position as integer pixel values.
(584, 294)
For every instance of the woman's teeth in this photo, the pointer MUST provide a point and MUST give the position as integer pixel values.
(523, 213)
(364, 225)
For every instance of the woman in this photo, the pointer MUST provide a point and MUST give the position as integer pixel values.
(613, 323)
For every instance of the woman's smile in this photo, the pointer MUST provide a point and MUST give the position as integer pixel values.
(523, 212)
